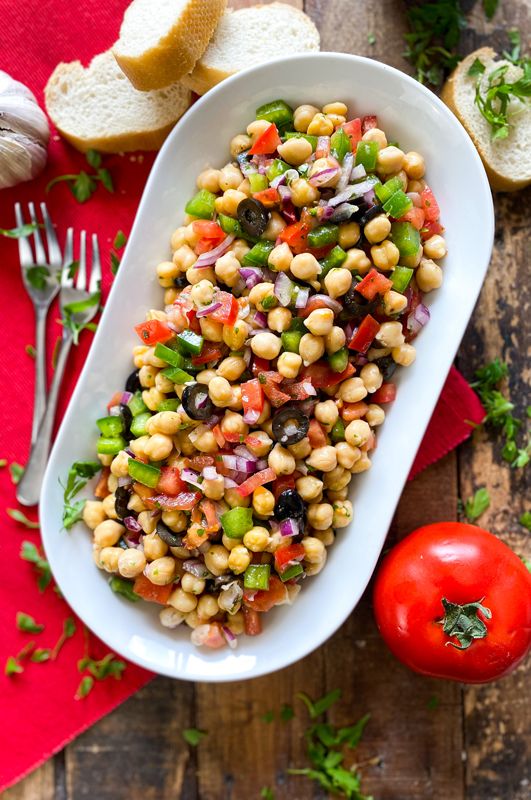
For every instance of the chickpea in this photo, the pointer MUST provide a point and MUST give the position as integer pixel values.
(192, 619)
(135, 503)
(206, 443)
(232, 368)
(239, 248)
(326, 537)
(170, 296)
(112, 483)
(402, 177)
(239, 143)
(320, 321)
(303, 193)
(259, 293)
(416, 186)
(280, 257)
(390, 334)
(147, 522)
(256, 539)
(182, 601)
(214, 488)
(261, 444)
(349, 234)
(207, 606)
(404, 355)
(357, 261)
(352, 390)
(202, 293)
(335, 340)
(338, 281)
(343, 514)
(266, 345)
(93, 514)
(414, 260)
(377, 229)
(375, 415)
(390, 160)
(184, 258)
(209, 180)
(394, 303)
(337, 479)
(239, 559)
(233, 423)
(257, 128)
(295, 151)
(358, 433)
(152, 398)
(166, 422)
(227, 269)
(435, 247)
(245, 187)
(166, 272)
(230, 177)
(236, 623)
(154, 547)
(193, 275)
(274, 227)
(220, 392)
(301, 449)
(170, 617)
(340, 494)
(311, 348)
(372, 377)
(263, 501)
(429, 275)
(309, 487)
(276, 540)
(320, 125)
(107, 533)
(314, 549)
(279, 319)
(217, 559)
(146, 376)
(281, 461)
(131, 562)
(322, 164)
(192, 584)
(323, 458)
(375, 135)
(163, 384)
(414, 165)
(305, 267)
(320, 516)
(108, 558)
(327, 413)
(235, 336)
(385, 255)
(177, 521)
(289, 364)
(302, 117)
(178, 238)
(315, 569)
(231, 200)
(347, 455)
(158, 447)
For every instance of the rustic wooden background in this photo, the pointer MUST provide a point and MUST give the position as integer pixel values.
(426, 739)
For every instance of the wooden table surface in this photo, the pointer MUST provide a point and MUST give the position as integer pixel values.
(426, 739)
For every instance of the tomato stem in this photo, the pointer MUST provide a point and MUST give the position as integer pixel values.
(463, 622)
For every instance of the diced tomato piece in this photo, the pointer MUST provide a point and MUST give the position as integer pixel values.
(364, 334)
(195, 537)
(251, 621)
(211, 351)
(430, 205)
(287, 555)
(385, 394)
(204, 245)
(430, 229)
(218, 436)
(151, 592)
(184, 501)
(265, 599)
(415, 216)
(102, 490)
(252, 441)
(372, 284)
(298, 391)
(268, 197)
(321, 375)
(269, 381)
(258, 479)
(352, 411)
(313, 303)
(316, 434)
(353, 131)
(296, 236)
(227, 314)
(267, 142)
(212, 521)
(252, 400)
(209, 635)
(143, 491)
(207, 229)
(259, 365)
(170, 481)
(282, 483)
(321, 252)
(233, 438)
(200, 462)
(154, 331)
(368, 123)
(115, 400)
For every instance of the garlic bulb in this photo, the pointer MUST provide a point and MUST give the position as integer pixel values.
(24, 133)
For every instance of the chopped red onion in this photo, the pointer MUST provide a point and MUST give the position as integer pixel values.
(284, 289)
(302, 296)
(210, 473)
(238, 464)
(278, 181)
(291, 175)
(252, 276)
(247, 354)
(212, 422)
(190, 476)
(289, 527)
(114, 411)
(341, 213)
(288, 212)
(370, 197)
(132, 525)
(129, 452)
(261, 464)
(418, 318)
(230, 483)
(125, 480)
(229, 637)
(285, 193)
(206, 259)
(204, 312)
(346, 169)
(260, 319)
(251, 416)
(326, 212)
(230, 597)
(242, 451)
(351, 192)
(323, 145)
(324, 176)
(309, 388)
(329, 302)
(358, 172)
(246, 167)
(126, 396)
(198, 568)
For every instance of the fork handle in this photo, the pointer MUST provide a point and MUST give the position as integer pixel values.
(29, 488)
(39, 402)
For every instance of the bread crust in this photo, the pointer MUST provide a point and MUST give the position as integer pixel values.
(177, 52)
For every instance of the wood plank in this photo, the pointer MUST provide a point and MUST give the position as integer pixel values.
(39, 784)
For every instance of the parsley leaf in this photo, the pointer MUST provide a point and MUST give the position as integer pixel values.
(266, 793)
(193, 736)
(123, 587)
(71, 309)
(435, 31)
(119, 240)
(41, 654)
(78, 475)
(38, 276)
(93, 158)
(525, 520)
(371, 39)
(20, 232)
(477, 68)
(30, 350)
(318, 707)
(27, 624)
(19, 516)
(492, 98)
(84, 688)
(477, 505)
(29, 552)
(286, 713)
(106, 667)
(13, 667)
(490, 7)
(268, 717)
(84, 184)
(16, 471)
(69, 629)
(514, 39)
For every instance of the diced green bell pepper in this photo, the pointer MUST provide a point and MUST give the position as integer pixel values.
(334, 259)
(233, 228)
(146, 474)
(291, 340)
(406, 237)
(237, 522)
(278, 167)
(189, 342)
(258, 182)
(138, 425)
(401, 276)
(168, 355)
(398, 204)
(339, 360)
(136, 404)
(323, 235)
(291, 572)
(201, 205)
(258, 255)
(277, 111)
(110, 426)
(256, 576)
(307, 136)
(338, 431)
(177, 375)
(340, 144)
(171, 404)
(384, 191)
(367, 154)
(297, 324)
(110, 445)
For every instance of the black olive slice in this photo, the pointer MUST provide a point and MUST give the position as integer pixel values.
(121, 499)
(386, 365)
(196, 402)
(252, 216)
(127, 418)
(132, 383)
(289, 426)
(371, 213)
(289, 505)
(355, 305)
(171, 539)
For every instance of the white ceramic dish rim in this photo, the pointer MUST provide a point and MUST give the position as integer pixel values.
(207, 666)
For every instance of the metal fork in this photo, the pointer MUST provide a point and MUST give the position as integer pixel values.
(42, 298)
(29, 488)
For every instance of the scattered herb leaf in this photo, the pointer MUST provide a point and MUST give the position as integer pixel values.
(123, 587)
(266, 793)
(83, 185)
(106, 667)
(477, 505)
(93, 158)
(3, 462)
(78, 475)
(269, 716)
(27, 624)
(119, 240)
(29, 552)
(318, 707)
(20, 232)
(30, 350)
(69, 629)
(525, 520)
(371, 38)
(193, 736)
(286, 713)
(38, 277)
(514, 39)
(41, 654)
(13, 667)
(71, 309)
(490, 7)
(84, 688)
(435, 31)
(477, 68)
(433, 703)
(16, 471)
(19, 516)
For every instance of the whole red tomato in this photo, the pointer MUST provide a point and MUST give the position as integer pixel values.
(453, 601)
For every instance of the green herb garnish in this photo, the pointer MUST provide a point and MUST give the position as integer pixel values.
(107, 667)
(41, 654)
(477, 505)
(119, 243)
(525, 520)
(13, 666)
(16, 471)
(84, 688)
(30, 350)
(84, 184)
(78, 475)
(29, 552)
(19, 516)
(70, 309)
(27, 624)
(493, 100)
(69, 629)
(38, 276)
(266, 793)
(123, 587)
(193, 736)
(21, 232)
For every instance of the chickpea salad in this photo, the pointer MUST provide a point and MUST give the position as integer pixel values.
(294, 291)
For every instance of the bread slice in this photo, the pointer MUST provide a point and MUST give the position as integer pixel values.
(251, 36)
(506, 161)
(98, 108)
(160, 40)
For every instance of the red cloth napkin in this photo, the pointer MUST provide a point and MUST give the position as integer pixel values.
(39, 712)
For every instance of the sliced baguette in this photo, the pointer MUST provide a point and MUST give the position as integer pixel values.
(98, 108)
(160, 40)
(506, 161)
(251, 36)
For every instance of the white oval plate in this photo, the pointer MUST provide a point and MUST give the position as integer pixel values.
(411, 115)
